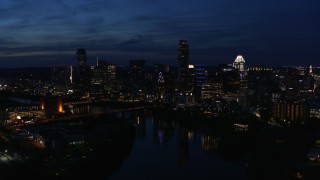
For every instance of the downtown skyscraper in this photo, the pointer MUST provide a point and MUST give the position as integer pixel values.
(183, 66)
(83, 74)
(81, 57)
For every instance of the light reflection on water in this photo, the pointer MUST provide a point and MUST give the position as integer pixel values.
(153, 148)
(163, 150)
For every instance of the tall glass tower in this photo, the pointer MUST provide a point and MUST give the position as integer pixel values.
(183, 65)
(83, 71)
(82, 57)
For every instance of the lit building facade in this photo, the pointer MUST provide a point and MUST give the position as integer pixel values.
(110, 82)
(60, 77)
(98, 75)
(161, 87)
(240, 64)
(200, 75)
(293, 112)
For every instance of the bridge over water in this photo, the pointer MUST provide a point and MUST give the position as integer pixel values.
(120, 113)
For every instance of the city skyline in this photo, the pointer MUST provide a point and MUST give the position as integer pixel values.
(48, 33)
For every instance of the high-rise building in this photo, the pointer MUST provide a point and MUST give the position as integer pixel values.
(82, 57)
(167, 81)
(137, 80)
(60, 77)
(183, 66)
(161, 86)
(200, 75)
(103, 76)
(98, 76)
(137, 71)
(240, 64)
(290, 111)
(71, 74)
(101, 63)
(83, 78)
(83, 75)
(310, 69)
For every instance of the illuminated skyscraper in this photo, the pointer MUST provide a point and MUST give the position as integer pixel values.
(111, 76)
(183, 66)
(82, 57)
(103, 76)
(240, 64)
(160, 85)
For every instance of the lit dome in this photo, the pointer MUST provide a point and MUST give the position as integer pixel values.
(239, 59)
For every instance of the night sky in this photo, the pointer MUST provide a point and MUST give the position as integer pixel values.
(267, 32)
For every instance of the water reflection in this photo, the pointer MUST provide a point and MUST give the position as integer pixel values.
(171, 150)
(152, 148)
(83, 109)
(183, 146)
(141, 128)
(209, 143)
(163, 131)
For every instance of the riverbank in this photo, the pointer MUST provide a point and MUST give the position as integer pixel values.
(72, 149)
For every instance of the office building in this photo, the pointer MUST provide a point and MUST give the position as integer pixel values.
(82, 72)
(81, 57)
(183, 66)
(137, 72)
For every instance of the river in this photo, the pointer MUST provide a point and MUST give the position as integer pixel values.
(163, 150)
(147, 146)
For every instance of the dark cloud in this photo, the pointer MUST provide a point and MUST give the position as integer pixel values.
(265, 32)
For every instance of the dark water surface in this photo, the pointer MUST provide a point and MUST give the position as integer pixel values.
(140, 146)
(164, 150)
